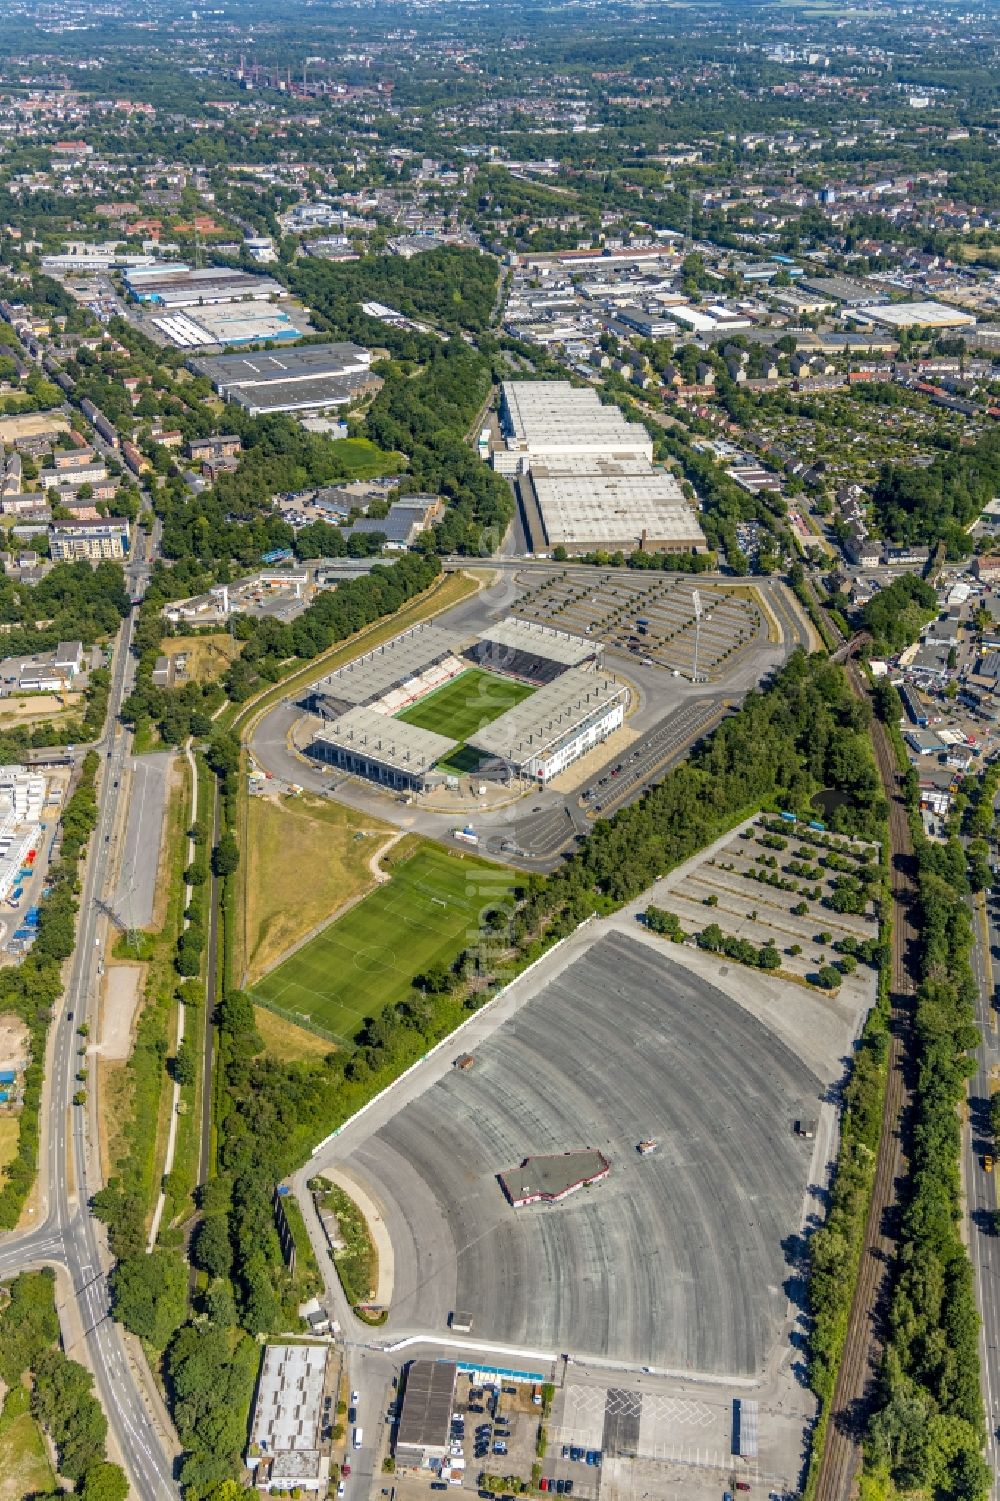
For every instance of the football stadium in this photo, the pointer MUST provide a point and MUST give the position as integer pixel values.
(519, 699)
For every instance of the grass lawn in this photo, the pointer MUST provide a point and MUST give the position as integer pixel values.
(304, 834)
(9, 1130)
(460, 708)
(367, 959)
(24, 1463)
(365, 460)
(283, 1039)
(207, 656)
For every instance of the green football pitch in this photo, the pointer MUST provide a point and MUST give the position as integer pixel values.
(429, 911)
(459, 708)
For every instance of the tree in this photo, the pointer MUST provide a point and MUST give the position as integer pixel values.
(104, 1482)
(28, 1324)
(184, 1065)
(225, 856)
(63, 1401)
(211, 1251)
(149, 1295)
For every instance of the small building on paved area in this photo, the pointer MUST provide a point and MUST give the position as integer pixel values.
(549, 1179)
(424, 1432)
(286, 1448)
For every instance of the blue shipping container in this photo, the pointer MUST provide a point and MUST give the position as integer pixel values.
(788, 817)
(7, 1076)
(820, 828)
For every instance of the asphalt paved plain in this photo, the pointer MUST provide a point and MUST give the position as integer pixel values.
(137, 869)
(68, 1234)
(676, 1259)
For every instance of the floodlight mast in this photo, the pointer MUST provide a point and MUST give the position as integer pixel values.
(696, 601)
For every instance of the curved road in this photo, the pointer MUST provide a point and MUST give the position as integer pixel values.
(69, 1236)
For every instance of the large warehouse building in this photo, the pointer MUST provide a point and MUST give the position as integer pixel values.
(589, 504)
(544, 420)
(307, 378)
(585, 476)
(181, 287)
(424, 1432)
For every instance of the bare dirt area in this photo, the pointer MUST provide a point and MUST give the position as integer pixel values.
(122, 988)
(37, 707)
(13, 1042)
(330, 841)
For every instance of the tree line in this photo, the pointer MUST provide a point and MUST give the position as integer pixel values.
(62, 1396)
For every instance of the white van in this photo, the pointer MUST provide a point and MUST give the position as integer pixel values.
(359, 1437)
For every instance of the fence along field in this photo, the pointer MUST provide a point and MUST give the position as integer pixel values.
(427, 914)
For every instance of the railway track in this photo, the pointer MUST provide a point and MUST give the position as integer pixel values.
(863, 1346)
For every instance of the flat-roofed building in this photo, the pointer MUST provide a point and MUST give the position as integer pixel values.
(549, 418)
(286, 1448)
(918, 315)
(307, 378)
(589, 504)
(564, 719)
(424, 1431)
(372, 745)
(586, 476)
(180, 287)
(70, 541)
(540, 1180)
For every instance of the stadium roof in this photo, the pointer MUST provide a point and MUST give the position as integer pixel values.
(554, 711)
(391, 742)
(540, 641)
(403, 657)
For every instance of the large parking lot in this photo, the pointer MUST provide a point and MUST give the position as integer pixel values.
(678, 1256)
(792, 887)
(651, 617)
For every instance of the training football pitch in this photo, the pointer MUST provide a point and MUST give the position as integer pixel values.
(427, 913)
(459, 708)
